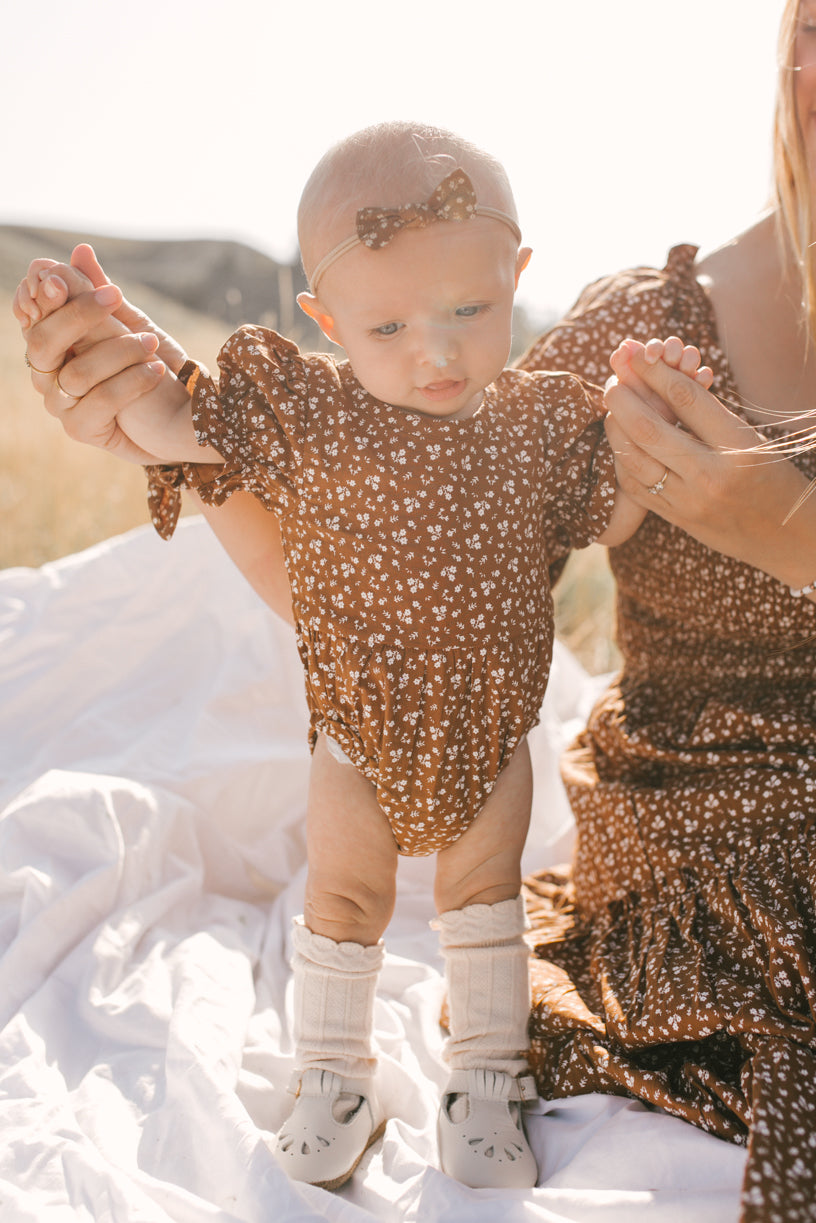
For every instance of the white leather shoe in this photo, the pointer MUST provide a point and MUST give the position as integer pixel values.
(481, 1132)
(334, 1122)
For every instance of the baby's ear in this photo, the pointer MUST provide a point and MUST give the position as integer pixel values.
(522, 259)
(315, 309)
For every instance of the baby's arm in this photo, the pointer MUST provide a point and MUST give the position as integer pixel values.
(627, 514)
(109, 382)
(160, 421)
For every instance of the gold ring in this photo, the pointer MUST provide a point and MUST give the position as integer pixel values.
(67, 394)
(40, 371)
(654, 489)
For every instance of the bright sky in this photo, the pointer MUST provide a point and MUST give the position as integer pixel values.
(625, 126)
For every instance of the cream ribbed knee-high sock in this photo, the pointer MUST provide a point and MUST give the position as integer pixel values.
(486, 963)
(334, 987)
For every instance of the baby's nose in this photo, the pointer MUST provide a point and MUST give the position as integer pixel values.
(438, 347)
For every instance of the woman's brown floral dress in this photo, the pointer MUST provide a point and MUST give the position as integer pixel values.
(676, 961)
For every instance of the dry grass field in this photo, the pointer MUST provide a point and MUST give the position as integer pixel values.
(57, 497)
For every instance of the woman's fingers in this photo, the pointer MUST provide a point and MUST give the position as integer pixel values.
(70, 329)
(49, 341)
(103, 361)
(86, 388)
(169, 349)
(83, 257)
(640, 474)
(711, 478)
(647, 429)
(114, 381)
(626, 374)
(691, 403)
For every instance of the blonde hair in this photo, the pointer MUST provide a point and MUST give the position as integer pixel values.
(792, 182)
(792, 196)
(389, 164)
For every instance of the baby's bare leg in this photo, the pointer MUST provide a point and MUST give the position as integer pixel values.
(484, 865)
(351, 881)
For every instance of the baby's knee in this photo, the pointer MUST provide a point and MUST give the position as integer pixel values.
(349, 910)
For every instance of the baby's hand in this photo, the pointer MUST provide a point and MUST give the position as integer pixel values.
(37, 295)
(43, 289)
(75, 345)
(673, 352)
(684, 357)
(50, 285)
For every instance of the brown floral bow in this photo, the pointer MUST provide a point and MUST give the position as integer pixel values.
(453, 200)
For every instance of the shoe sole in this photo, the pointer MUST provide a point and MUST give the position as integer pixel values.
(339, 1181)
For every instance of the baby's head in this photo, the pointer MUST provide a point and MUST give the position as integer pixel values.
(409, 238)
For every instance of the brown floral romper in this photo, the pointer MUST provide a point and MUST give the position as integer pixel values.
(415, 551)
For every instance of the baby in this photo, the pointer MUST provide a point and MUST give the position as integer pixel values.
(413, 483)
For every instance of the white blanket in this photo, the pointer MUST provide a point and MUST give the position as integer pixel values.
(154, 766)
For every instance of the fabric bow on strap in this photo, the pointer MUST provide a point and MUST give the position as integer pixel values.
(453, 200)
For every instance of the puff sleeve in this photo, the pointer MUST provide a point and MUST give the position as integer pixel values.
(580, 491)
(255, 417)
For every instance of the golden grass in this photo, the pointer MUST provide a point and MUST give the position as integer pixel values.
(585, 610)
(57, 497)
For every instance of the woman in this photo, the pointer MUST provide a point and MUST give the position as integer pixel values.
(677, 962)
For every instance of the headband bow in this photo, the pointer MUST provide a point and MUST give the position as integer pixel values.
(453, 200)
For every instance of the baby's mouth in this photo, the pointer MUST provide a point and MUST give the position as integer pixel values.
(447, 388)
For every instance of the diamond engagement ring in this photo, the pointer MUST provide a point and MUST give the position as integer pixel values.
(654, 489)
(40, 371)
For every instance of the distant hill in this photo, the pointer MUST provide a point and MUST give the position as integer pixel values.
(222, 280)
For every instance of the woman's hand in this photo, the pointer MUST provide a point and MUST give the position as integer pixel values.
(712, 477)
(86, 389)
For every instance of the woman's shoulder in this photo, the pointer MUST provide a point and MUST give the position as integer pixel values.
(643, 289)
(639, 302)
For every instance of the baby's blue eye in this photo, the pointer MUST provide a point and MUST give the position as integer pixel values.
(387, 329)
(467, 311)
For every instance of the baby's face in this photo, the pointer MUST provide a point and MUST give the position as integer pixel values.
(426, 321)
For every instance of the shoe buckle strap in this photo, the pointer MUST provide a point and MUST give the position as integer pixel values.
(493, 1085)
(316, 1082)
(527, 1090)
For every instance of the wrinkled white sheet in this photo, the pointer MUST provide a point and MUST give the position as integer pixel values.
(153, 773)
